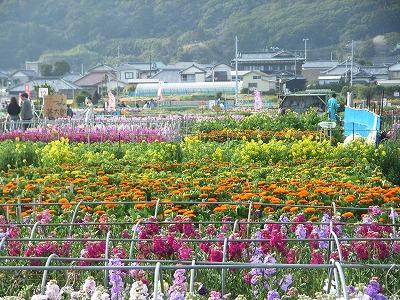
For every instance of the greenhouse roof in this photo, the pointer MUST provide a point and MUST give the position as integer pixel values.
(183, 88)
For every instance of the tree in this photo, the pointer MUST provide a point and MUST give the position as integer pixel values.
(60, 68)
(46, 69)
(80, 97)
(96, 97)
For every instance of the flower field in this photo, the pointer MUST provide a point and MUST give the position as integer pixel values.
(232, 211)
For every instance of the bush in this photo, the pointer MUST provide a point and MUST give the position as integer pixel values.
(390, 161)
(80, 97)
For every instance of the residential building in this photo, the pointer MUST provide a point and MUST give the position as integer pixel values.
(193, 74)
(3, 80)
(221, 72)
(168, 75)
(240, 75)
(131, 71)
(256, 80)
(59, 85)
(274, 62)
(33, 66)
(312, 69)
(380, 72)
(22, 76)
(394, 71)
(342, 73)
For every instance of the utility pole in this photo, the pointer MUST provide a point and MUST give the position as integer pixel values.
(150, 65)
(331, 56)
(236, 71)
(305, 48)
(295, 65)
(352, 58)
(118, 73)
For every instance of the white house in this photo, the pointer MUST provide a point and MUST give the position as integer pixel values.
(394, 71)
(221, 72)
(256, 80)
(193, 74)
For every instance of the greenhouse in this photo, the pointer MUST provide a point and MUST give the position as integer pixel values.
(183, 88)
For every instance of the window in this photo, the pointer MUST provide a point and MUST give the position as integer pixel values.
(129, 75)
(188, 77)
(256, 77)
(252, 85)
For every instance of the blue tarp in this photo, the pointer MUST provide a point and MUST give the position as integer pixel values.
(361, 122)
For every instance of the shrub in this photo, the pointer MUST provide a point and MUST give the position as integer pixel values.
(390, 161)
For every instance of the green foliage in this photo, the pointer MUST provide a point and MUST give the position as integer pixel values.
(46, 85)
(390, 161)
(16, 154)
(59, 68)
(80, 97)
(91, 31)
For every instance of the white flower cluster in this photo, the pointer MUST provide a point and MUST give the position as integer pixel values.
(139, 291)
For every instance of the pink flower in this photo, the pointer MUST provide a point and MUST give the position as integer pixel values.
(317, 257)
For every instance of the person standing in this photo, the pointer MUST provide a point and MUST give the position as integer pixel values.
(89, 113)
(70, 113)
(26, 111)
(332, 106)
(13, 110)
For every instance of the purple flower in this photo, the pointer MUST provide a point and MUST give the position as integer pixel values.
(300, 232)
(273, 295)
(373, 288)
(286, 282)
(374, 210)
(117, 285)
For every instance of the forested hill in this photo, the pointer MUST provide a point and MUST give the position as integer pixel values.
(88, 31)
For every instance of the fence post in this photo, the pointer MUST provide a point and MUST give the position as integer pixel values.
(342, 280)
(133, 238)
(248, 218)
(156, 280)
(223, 270)
(33, 230)
(73, 217)
(106, 259)
(192, 275)
(2, 242)
(156, 210)
(44, 278)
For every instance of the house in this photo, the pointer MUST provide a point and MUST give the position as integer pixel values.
(256, 80)
(342, 73)
(22, 76)
(380, 72)
(168, 75)
(221, 72)
(95, 77)
(3, 80)
(33, 66)
(312, 69)
(240, 75)
(59, 85)
(274, 62)
(193, 74)
(72, 77)
(101, 68)
(138, 70)
(394, 71)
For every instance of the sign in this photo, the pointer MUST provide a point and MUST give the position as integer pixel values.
(258, 104)
(43, 92)
(327, 125)
(55, 106)
(396, 94)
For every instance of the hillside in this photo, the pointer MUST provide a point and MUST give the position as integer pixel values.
(90, 31)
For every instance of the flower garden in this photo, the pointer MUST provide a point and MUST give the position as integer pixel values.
(244, 207)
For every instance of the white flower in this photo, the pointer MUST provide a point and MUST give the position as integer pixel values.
(139, 291)
(53, 290)
(89, 287)
(39, 297)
